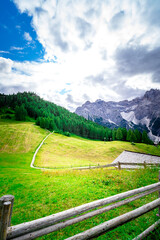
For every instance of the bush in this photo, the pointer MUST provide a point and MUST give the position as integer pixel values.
(10, 111)
(7, 116)
(58, 131)
(67, 134)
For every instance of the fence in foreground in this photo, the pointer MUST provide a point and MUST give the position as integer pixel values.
(55, 222)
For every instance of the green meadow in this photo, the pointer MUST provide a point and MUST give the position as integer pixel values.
(39, 193)
(61, 151)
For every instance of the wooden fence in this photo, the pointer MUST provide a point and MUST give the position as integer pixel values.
(119, 165)
(46, 225)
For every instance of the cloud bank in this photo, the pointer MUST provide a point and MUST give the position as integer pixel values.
(93, 49)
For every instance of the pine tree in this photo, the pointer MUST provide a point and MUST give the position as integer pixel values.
(114, 134)
(133, 137)
(129, 135)
(138, 136)
(38, 121)
(119, 135)
(145, 138)
(52, 125)
(124, 133)
(20, 113)
(42, 122)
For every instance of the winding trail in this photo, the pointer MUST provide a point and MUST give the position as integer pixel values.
(34, 156)
(43, 168)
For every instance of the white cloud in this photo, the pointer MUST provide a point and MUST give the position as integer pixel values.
(84, 36)
(67, 27)
(142, 82)
(16, 48)
(27, 37)
(4, 52)
(5, 65)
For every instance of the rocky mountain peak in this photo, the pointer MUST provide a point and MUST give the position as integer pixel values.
(98, 100)
(86, 103)
(152, 94)
(140, 113)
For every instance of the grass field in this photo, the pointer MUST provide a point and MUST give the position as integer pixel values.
(41, 193)
(61, 151)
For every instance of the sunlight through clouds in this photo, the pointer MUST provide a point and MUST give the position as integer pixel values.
(95, 46)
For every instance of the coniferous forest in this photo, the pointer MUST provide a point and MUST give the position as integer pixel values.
(27, 105)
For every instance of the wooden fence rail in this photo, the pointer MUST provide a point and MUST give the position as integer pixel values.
(43, 226)
(119, 165)
(147, 231)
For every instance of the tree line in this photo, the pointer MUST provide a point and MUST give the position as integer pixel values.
(52, 117)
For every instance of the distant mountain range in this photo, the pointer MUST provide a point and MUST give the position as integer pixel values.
(140, 113)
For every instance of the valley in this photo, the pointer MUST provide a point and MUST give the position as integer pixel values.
(79, 120)
(39, 193)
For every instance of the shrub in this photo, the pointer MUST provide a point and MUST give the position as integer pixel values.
(67, 134)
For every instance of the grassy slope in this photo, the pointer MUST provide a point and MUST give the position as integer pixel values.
(18, 142)
(62, 151)
(40, 193)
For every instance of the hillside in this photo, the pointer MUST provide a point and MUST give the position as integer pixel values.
(140, 113)
(18, 142)
(48, 115)
(41, 193)
(22, 106)
(60, 151)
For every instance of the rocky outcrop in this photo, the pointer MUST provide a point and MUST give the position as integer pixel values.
(141, 113)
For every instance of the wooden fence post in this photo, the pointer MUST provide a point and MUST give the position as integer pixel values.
(6, 206)
(119, 166)
(144, 164)
(8, 198)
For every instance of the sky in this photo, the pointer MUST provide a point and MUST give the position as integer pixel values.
(71, 51)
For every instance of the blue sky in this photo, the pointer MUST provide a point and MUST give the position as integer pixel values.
(18, 37)
(70, 52)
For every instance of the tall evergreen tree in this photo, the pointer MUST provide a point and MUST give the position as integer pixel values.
(114, 134)
(42, 122)
(20, 113)
(129, 135)
(124, 133)
(133, 137)
(145, 138)
(119, 135)
(138, 136)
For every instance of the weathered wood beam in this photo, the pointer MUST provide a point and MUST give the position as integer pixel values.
(93, 167)
(28, 227)
(147, 231)
(69, 222)
(115, 222)
(140, 164)
(4, 221)
(134, 164)
(7, 198)
(119, 165)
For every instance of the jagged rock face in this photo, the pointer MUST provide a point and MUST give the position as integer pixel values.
(141, 113)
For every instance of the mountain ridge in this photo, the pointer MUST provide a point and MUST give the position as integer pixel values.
(142, 113)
